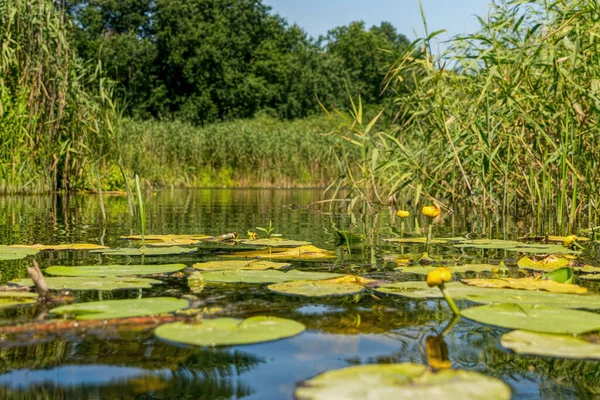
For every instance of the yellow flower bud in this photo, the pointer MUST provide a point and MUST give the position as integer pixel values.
(445, 274)
(430, 211)
(402, 214)
(438, 276)
(569, 240)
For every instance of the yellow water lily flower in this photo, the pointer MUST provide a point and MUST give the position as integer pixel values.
(252, 235)
(402, 213)
(570, 240)
(438, 276)
(431, 211)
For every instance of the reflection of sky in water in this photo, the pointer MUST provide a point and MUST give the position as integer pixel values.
(75, 375)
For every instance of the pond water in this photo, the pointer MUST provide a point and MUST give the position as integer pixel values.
(341, 331)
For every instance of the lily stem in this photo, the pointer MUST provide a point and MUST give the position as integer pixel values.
(429, 234)
(449, 300)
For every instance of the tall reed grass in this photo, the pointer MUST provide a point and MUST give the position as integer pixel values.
(56, 113)
(506, 119)
(258, 152)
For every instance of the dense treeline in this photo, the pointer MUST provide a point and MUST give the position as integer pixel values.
(212, 60)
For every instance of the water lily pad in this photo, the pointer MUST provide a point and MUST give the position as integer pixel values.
(275, 242)
(11, 299)
(561, 275)
(266, 276)
(512, 245)
(239, 264)
(298, 253)
(230, 331)
(16, 253)
(587, 269)
(121, 308)
(341, 286)
(548, 263)
(146, 251)
(536, 318)
(401, 381)
(167, 238)
(88, 283)
(424, 270)
(415, 240)
(114, 270)
(550, 238)
(59, 247)
(526, 284)
(591, 277)
(460, 291)
(545, 344)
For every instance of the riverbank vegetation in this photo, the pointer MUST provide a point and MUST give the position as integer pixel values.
(506, 119)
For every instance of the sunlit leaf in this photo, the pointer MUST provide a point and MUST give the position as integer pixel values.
(239, 264)
(512, 245)
(146, 251)
(114, 270)
(275, 242)
(526, 284)
(322, 288)
(12, 299)
(460, 291)
(561, 275)
(298, 253)
(401, 381)
(424, 270)
(121, 308)
(265, 276)
(229, 331)
(166, 238)
(545, 344)
(536, 318)
(418, 240)
(16, 253)
(89, 283)
(548, 263)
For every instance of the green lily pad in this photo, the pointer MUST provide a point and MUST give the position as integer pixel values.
(167, 238)
(526, 284)
(560, 275)
(545, 344)
(587, 269)
(342, 286)
(229, 331)
(11, 299)
(239, 264)
(59, 247)
(421, 240)
(146, 251)
(114, 270)
(536, 318)
(512, 245)
(121, 308)
(274, 242)
(548, 263)
(591, 277)
(308, 252)
(459, 291)
(88, 283)
(424, 270)
(16, 253)
(266, 276)
(401, 381)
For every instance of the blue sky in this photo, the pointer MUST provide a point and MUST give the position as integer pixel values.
(316, 17)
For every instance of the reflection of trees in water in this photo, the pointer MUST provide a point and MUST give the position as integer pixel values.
(194, 373)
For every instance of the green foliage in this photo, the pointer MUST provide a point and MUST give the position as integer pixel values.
(56, 114)
(506, 118)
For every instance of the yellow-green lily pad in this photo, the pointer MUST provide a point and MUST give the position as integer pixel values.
(275, 242)
(341, 286)
(88, 283)
(548, 263)
(121, 308)
(309, 252)
(546, 344)
(535, 318)
(512, 245)
(239, 264)
(424, 270)
(229, 331)
(114, 270)
(588, 269)
(167, 238)
(60, 247)
(591, 277)
(265, 276)
(416, 240)
(16, 253)
(401, 381)
(526, 284)
(146, 251)
(11, 299)
(460, 291)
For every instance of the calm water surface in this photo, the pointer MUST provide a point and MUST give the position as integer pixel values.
(111, 364)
